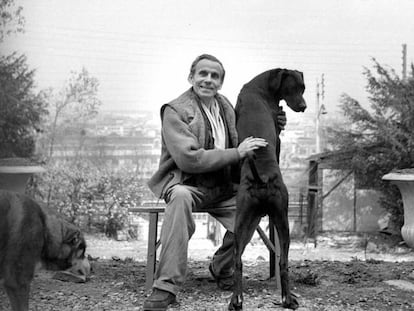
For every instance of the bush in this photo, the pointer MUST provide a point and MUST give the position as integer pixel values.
(380, 139)
(90, 195)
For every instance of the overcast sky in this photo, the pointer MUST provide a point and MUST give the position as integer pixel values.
(141, 51)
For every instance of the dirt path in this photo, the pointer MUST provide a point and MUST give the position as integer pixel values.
(344, 281)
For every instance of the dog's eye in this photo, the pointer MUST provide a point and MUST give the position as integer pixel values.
(297, 89)
(74, 241)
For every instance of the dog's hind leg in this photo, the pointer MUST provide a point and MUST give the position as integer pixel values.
(19, 297)
(279, 216)
(22, 256)
(247, 220)
(21, 265)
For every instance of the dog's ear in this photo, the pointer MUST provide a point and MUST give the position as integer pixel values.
(300, 73)
(275, 80)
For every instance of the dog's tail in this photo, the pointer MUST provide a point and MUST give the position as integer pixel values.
(253, 168)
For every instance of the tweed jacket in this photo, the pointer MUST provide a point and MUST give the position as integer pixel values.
(184, 140)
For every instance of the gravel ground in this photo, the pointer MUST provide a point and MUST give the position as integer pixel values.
(341, 273)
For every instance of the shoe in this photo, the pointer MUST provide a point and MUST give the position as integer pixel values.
(224, 283)
(159, 300)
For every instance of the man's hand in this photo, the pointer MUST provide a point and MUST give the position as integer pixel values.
(281, 119)
(250, 144)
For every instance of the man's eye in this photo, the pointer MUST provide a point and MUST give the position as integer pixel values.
(215, 76)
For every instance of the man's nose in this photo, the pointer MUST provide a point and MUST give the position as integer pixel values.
(208, 78)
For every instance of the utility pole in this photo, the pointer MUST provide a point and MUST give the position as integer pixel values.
(404, 62)
(320, 109)
(318, 143)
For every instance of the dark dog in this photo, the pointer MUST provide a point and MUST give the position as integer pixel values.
(30, 235)
(262, 190)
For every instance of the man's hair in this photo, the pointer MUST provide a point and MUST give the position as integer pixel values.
(208, 57)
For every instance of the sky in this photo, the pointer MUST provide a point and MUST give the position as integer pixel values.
(141, 51)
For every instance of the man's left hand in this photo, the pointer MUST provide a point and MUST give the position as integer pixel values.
(281, 119)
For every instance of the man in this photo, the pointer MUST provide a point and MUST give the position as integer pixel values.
(199, 146)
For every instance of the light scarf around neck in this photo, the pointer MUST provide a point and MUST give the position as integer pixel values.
(217, 124)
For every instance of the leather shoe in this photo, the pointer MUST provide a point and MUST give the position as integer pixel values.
(224, 283)
(159, 300)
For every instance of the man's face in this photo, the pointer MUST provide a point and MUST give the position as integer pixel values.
(207, 79)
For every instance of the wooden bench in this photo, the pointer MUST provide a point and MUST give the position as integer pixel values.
(153, 241)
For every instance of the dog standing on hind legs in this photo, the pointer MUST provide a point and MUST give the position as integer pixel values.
(262, 190)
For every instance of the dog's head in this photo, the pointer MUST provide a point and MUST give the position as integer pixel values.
(288, 85)
(72, 252)
(65, 248)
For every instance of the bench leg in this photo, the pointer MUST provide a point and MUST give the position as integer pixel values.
(152, 250)
(272, 255)
(272, 244)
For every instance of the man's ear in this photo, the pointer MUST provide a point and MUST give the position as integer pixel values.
(190, 78)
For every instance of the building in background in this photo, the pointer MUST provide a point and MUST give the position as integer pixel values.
(117, 139)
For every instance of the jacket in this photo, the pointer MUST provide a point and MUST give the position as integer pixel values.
(184, 139)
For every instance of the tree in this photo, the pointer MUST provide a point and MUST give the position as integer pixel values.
(11, 19)
(380, 139)
(21, 110)
(72, 107)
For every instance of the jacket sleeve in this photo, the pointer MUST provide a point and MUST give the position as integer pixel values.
(186, 151)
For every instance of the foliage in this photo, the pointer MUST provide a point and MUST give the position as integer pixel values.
(381, 139)
(21, 110)
(11, 19)
(71, 108)
(89, 194)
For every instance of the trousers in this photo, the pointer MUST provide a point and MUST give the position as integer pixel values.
(178, 227)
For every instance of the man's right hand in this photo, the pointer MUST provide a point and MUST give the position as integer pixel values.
(249, 144)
